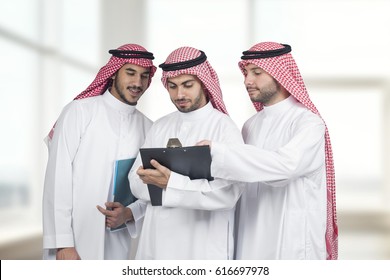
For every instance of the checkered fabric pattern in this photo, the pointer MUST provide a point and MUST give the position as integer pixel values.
(103, 79)
(203, 71)
(284, 69)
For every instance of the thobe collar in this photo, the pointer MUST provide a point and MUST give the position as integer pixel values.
(280, 107)
(198, 114)
(118, 105)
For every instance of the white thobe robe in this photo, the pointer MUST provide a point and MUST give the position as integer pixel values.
(90, 135)
(196, 219)
(282, 213)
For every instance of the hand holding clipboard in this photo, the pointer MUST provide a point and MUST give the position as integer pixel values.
(192, 161)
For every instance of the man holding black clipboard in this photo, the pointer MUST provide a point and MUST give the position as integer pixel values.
(193, 162)
(196, 216)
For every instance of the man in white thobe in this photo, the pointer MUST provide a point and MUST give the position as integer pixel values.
(101, 126)
(284, 212)
(196, 219)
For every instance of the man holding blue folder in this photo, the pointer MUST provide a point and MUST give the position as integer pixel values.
(92, 133)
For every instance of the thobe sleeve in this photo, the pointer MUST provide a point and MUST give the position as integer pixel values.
(202, 194)
(57, 195)
(219, 194)
(138, 209)
(303, 154)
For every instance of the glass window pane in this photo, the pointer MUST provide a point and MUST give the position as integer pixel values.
(20, 18)
(332, 38)
(222, 35)
(18, 123)
(80, 30)
(355, 119)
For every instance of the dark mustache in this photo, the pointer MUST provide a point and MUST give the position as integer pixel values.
(135, 88)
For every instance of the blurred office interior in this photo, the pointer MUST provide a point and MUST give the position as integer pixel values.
(50, 50)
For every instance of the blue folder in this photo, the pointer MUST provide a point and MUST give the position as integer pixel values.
(122, 192)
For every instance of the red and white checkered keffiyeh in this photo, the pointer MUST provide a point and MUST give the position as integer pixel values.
(103, 79)
(284, 69)
(203, 71)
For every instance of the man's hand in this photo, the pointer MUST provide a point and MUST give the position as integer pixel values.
(67, 254)
(204, 143)
(116, 214)
(158, 177)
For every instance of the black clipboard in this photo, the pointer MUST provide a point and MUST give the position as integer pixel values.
(192, 161)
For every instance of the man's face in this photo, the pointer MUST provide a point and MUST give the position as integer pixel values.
(130, 82)
(186, 93)
(260, 85)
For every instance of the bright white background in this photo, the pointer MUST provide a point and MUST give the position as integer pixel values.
(50, 50)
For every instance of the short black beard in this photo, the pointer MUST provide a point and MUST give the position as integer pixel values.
(194, 106)
(267, 95)
(122, 96)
